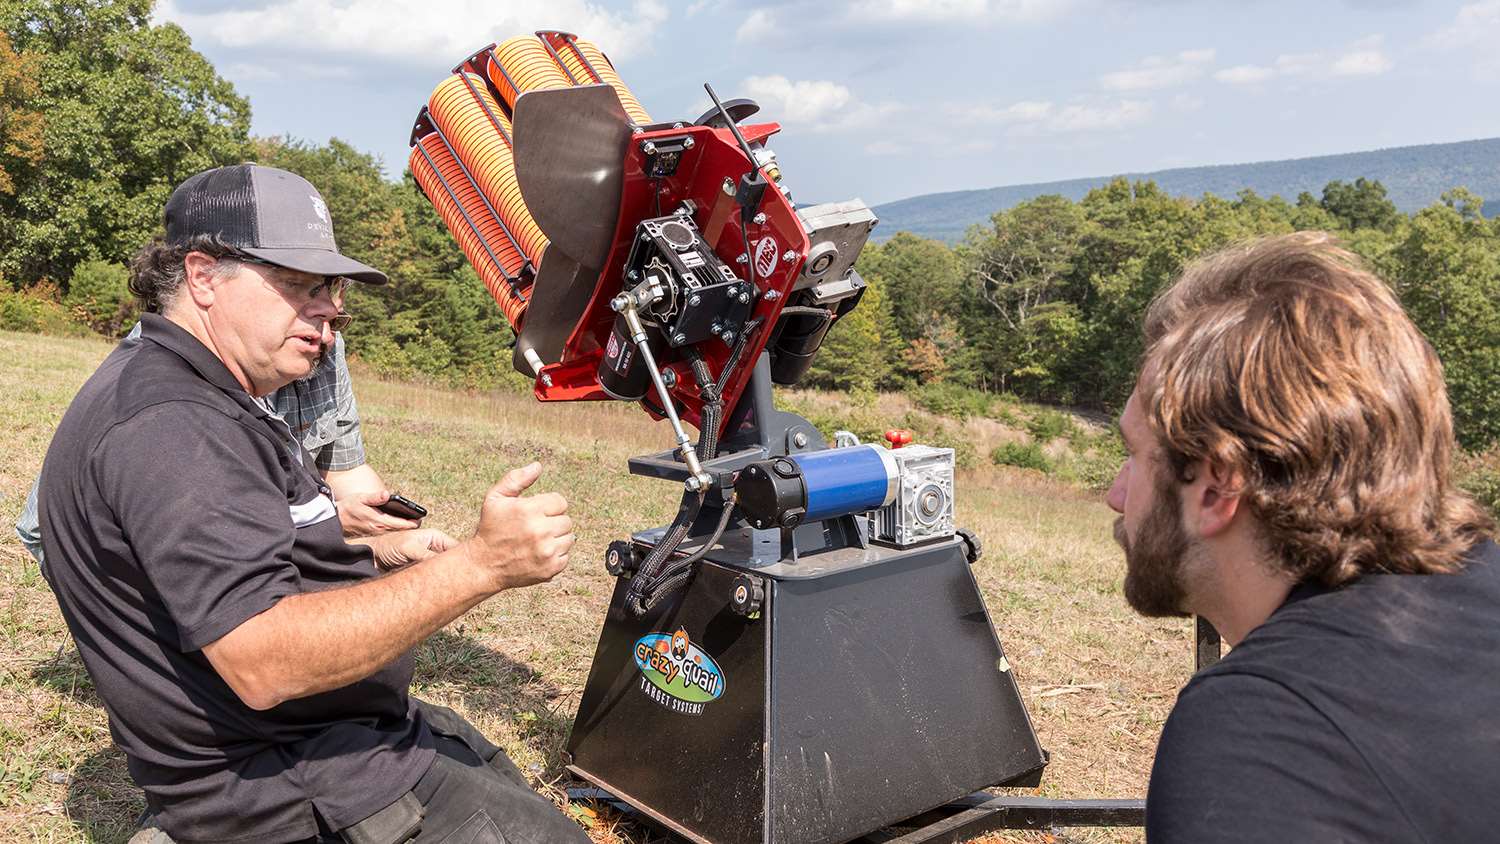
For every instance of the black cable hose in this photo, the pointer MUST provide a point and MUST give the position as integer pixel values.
(653, 581)
(649, 576)
(806, 310)
(734, 355)
(678, 572)
(687, 513)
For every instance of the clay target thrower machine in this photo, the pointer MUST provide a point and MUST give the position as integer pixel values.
(802, 655)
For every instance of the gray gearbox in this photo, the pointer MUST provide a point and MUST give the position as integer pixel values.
(923, 507)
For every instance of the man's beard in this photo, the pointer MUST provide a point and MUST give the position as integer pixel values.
(1156, 559)
(323, 350)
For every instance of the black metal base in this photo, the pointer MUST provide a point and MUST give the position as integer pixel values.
(871, 688)
(965, 818)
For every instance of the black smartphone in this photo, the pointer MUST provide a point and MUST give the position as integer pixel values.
(402, 507)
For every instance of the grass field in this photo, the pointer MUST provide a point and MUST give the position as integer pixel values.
(1097, 679)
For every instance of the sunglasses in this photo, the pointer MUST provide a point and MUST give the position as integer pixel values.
(341, 321)
(333, 285)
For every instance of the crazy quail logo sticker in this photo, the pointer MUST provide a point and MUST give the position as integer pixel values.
(320, 208)
(677, 673)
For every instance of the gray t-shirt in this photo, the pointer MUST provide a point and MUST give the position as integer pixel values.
(319, 410)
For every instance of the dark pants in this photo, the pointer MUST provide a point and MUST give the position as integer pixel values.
(472, 794)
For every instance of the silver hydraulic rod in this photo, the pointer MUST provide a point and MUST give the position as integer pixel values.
(625, 304)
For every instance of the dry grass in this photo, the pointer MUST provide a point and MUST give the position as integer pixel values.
(1097, 679)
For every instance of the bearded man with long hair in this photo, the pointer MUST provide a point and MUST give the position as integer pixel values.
(1290, 479)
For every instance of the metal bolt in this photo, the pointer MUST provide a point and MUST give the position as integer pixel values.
(677, 125)
(759, 219)
(636, 130)
(789, 255)
(728, 336)
(728, 188)
(693, 484)
(646, 236)
(633, 275)
(687, 143)
(742, 259)
(669, 377)
(744, 298)
(695, 299)
(772, 295)
(799, 439)
(679, 338)
(546, 379)
(649, 148)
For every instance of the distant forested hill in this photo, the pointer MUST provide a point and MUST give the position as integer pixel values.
(1414, 177)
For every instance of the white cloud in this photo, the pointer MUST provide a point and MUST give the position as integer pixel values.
(1297, 64)
(1159, 72)
(1087, 118)
(1245, 74)
(760, 24)
(1362, 63)
(803, 101)
(249, 72)
(1017, 11)
(817, 105)
(1476, 24)
(1475, 29)
(1026, 111)
(1365, 57)
(1033, 118)
(444, 30)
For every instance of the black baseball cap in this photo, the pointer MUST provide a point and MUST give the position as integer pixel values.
(267, 213)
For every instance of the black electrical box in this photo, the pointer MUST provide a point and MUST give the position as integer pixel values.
(704, 298)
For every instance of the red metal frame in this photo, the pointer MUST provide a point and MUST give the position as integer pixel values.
(714, 160)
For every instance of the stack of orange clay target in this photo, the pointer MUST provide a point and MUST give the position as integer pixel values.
(463, 153)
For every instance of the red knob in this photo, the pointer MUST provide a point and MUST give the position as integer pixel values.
(898, 437)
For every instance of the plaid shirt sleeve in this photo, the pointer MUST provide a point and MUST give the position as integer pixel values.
(347, 450)
(29, 525)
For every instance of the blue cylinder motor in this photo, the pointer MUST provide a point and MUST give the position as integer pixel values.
(818, 485)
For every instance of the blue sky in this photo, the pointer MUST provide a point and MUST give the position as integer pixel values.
(884, 99)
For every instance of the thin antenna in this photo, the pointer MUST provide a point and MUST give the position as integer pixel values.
(729, 121)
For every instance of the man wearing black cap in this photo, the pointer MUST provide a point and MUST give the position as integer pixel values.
(253, 665)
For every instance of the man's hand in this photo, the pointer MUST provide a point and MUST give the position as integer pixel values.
(358, 516)
(521, 541)
(315, 641)
(398, 549)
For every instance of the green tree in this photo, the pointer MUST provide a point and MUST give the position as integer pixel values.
(435, 317)
(855, 355)
(99, 296)
(132, 110)
(1447, 272)
(1020, 267)
(1362, 204)
(921, 277)
(20, 122)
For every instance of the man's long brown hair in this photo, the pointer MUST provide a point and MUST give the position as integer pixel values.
(1288, 362)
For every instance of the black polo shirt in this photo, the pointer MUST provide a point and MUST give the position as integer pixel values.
(173, 509)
